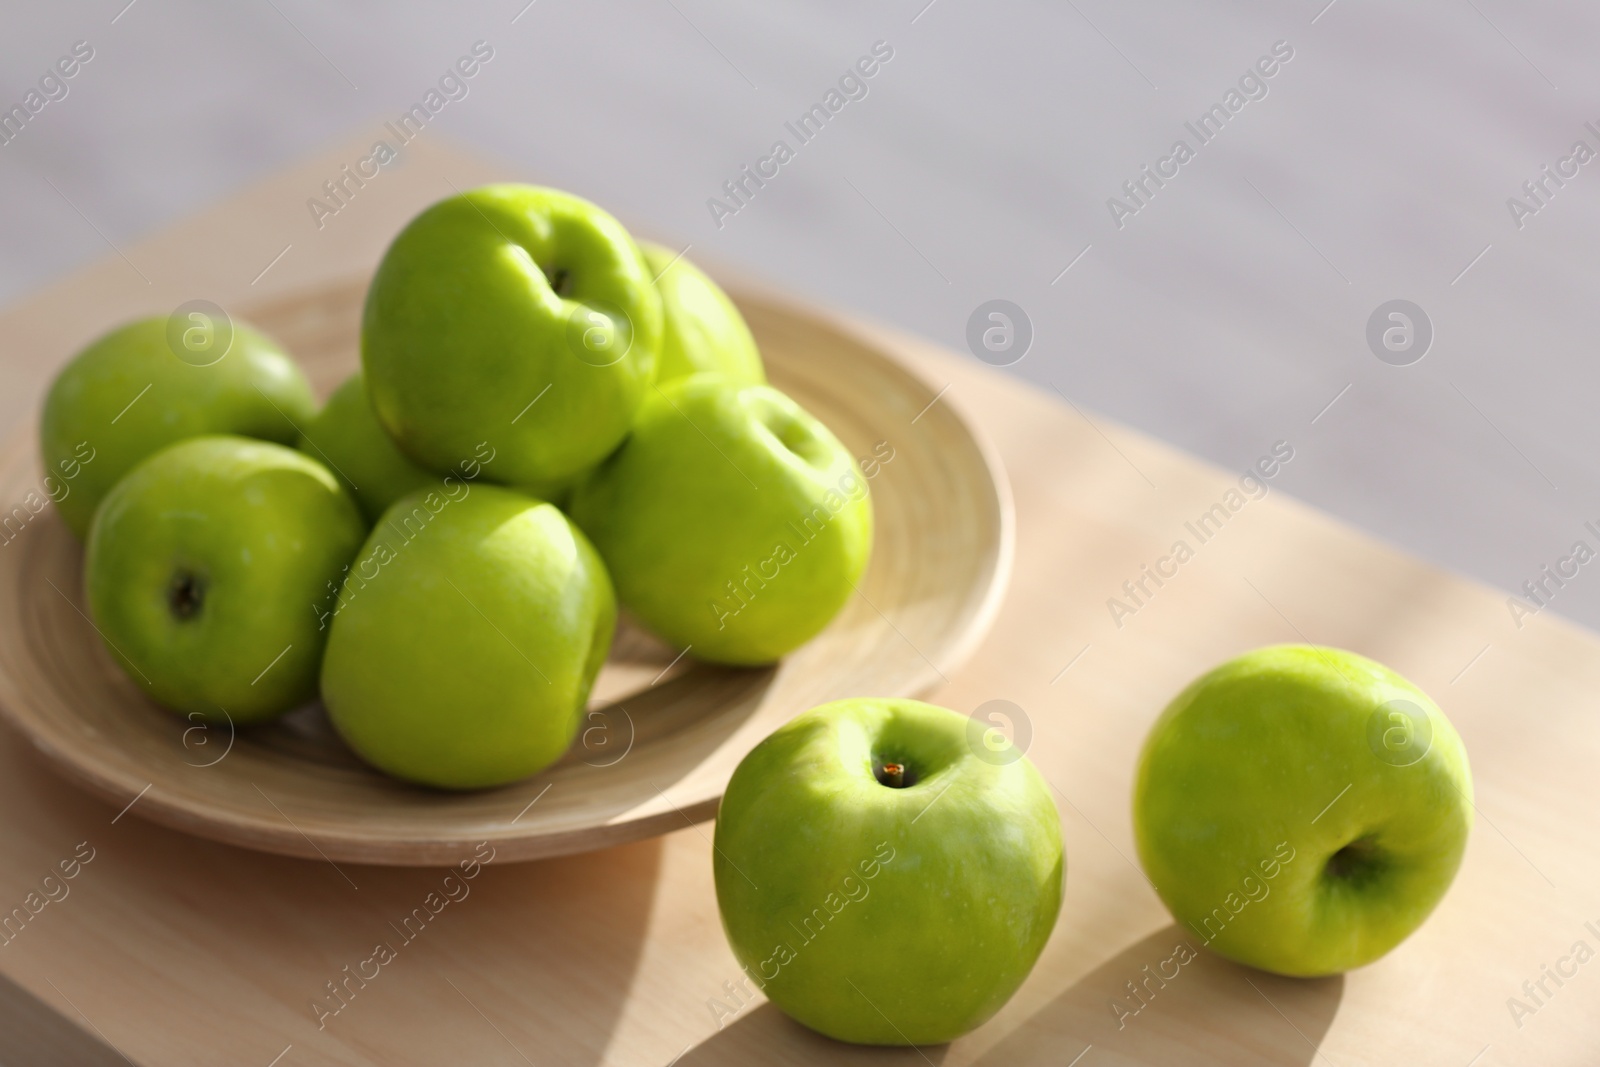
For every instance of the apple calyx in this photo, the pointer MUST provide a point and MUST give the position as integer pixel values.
(186, 594)
(560, 280)
(893, 775)
(1356, 862)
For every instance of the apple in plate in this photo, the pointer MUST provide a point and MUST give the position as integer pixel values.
(130, 393)
(204, 568)
(466, 638)
(703, 331)
(517, 314)
(884, 877)
(1302, 809)
(733, 522)
(347, 436)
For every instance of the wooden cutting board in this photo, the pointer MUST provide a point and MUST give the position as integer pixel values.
(167, 949)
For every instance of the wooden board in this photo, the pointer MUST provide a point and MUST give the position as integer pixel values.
(180, 951)
(662, 734)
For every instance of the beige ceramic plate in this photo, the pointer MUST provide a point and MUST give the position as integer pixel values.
(662, 737)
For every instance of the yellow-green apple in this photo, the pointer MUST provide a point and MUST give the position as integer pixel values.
(516, 314)
(733, 522)
(466, 637)
(1302, 809)
(703, 330)
(205, 568)
(130, 393)
(882, 877)
(347, 436)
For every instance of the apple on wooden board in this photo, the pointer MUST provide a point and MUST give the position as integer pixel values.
(154, 382)
(517, 314)
(204, 567)
(1302, 809)
(466, 637)
(885, 874)
(703, 331)
(734, 523)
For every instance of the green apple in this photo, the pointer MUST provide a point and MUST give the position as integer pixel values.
(516, 314)
(886, 875)
(703, 330)
(130, 394)
(347, 436)
(205, 567)
(1302, 809)
(466, 638)
(734, 523)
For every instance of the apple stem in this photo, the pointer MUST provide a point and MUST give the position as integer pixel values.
(892, 775)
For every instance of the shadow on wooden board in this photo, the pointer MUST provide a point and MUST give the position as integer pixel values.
(766, 1035)
(1165, 1000)
(1151, 1004)
(32, 1034)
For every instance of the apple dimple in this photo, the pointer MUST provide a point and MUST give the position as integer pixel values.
(1357, 863)
(186, 594)
(560, 280)
(794, 434)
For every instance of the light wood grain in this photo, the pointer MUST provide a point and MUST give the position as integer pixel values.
(183, 951)
(662, 735)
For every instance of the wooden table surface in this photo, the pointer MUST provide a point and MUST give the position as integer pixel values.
(171, 950)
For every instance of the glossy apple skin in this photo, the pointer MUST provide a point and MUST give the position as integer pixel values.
(467, 637)
(879, 915)
(264, 530)
(463, 330)
(101, 398)
(733, 522)
(1269, 756)
(703, 331)
(347, 437)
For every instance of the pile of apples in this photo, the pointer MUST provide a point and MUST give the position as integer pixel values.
(550, 417)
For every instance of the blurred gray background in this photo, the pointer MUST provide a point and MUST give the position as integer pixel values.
(1228, 312)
